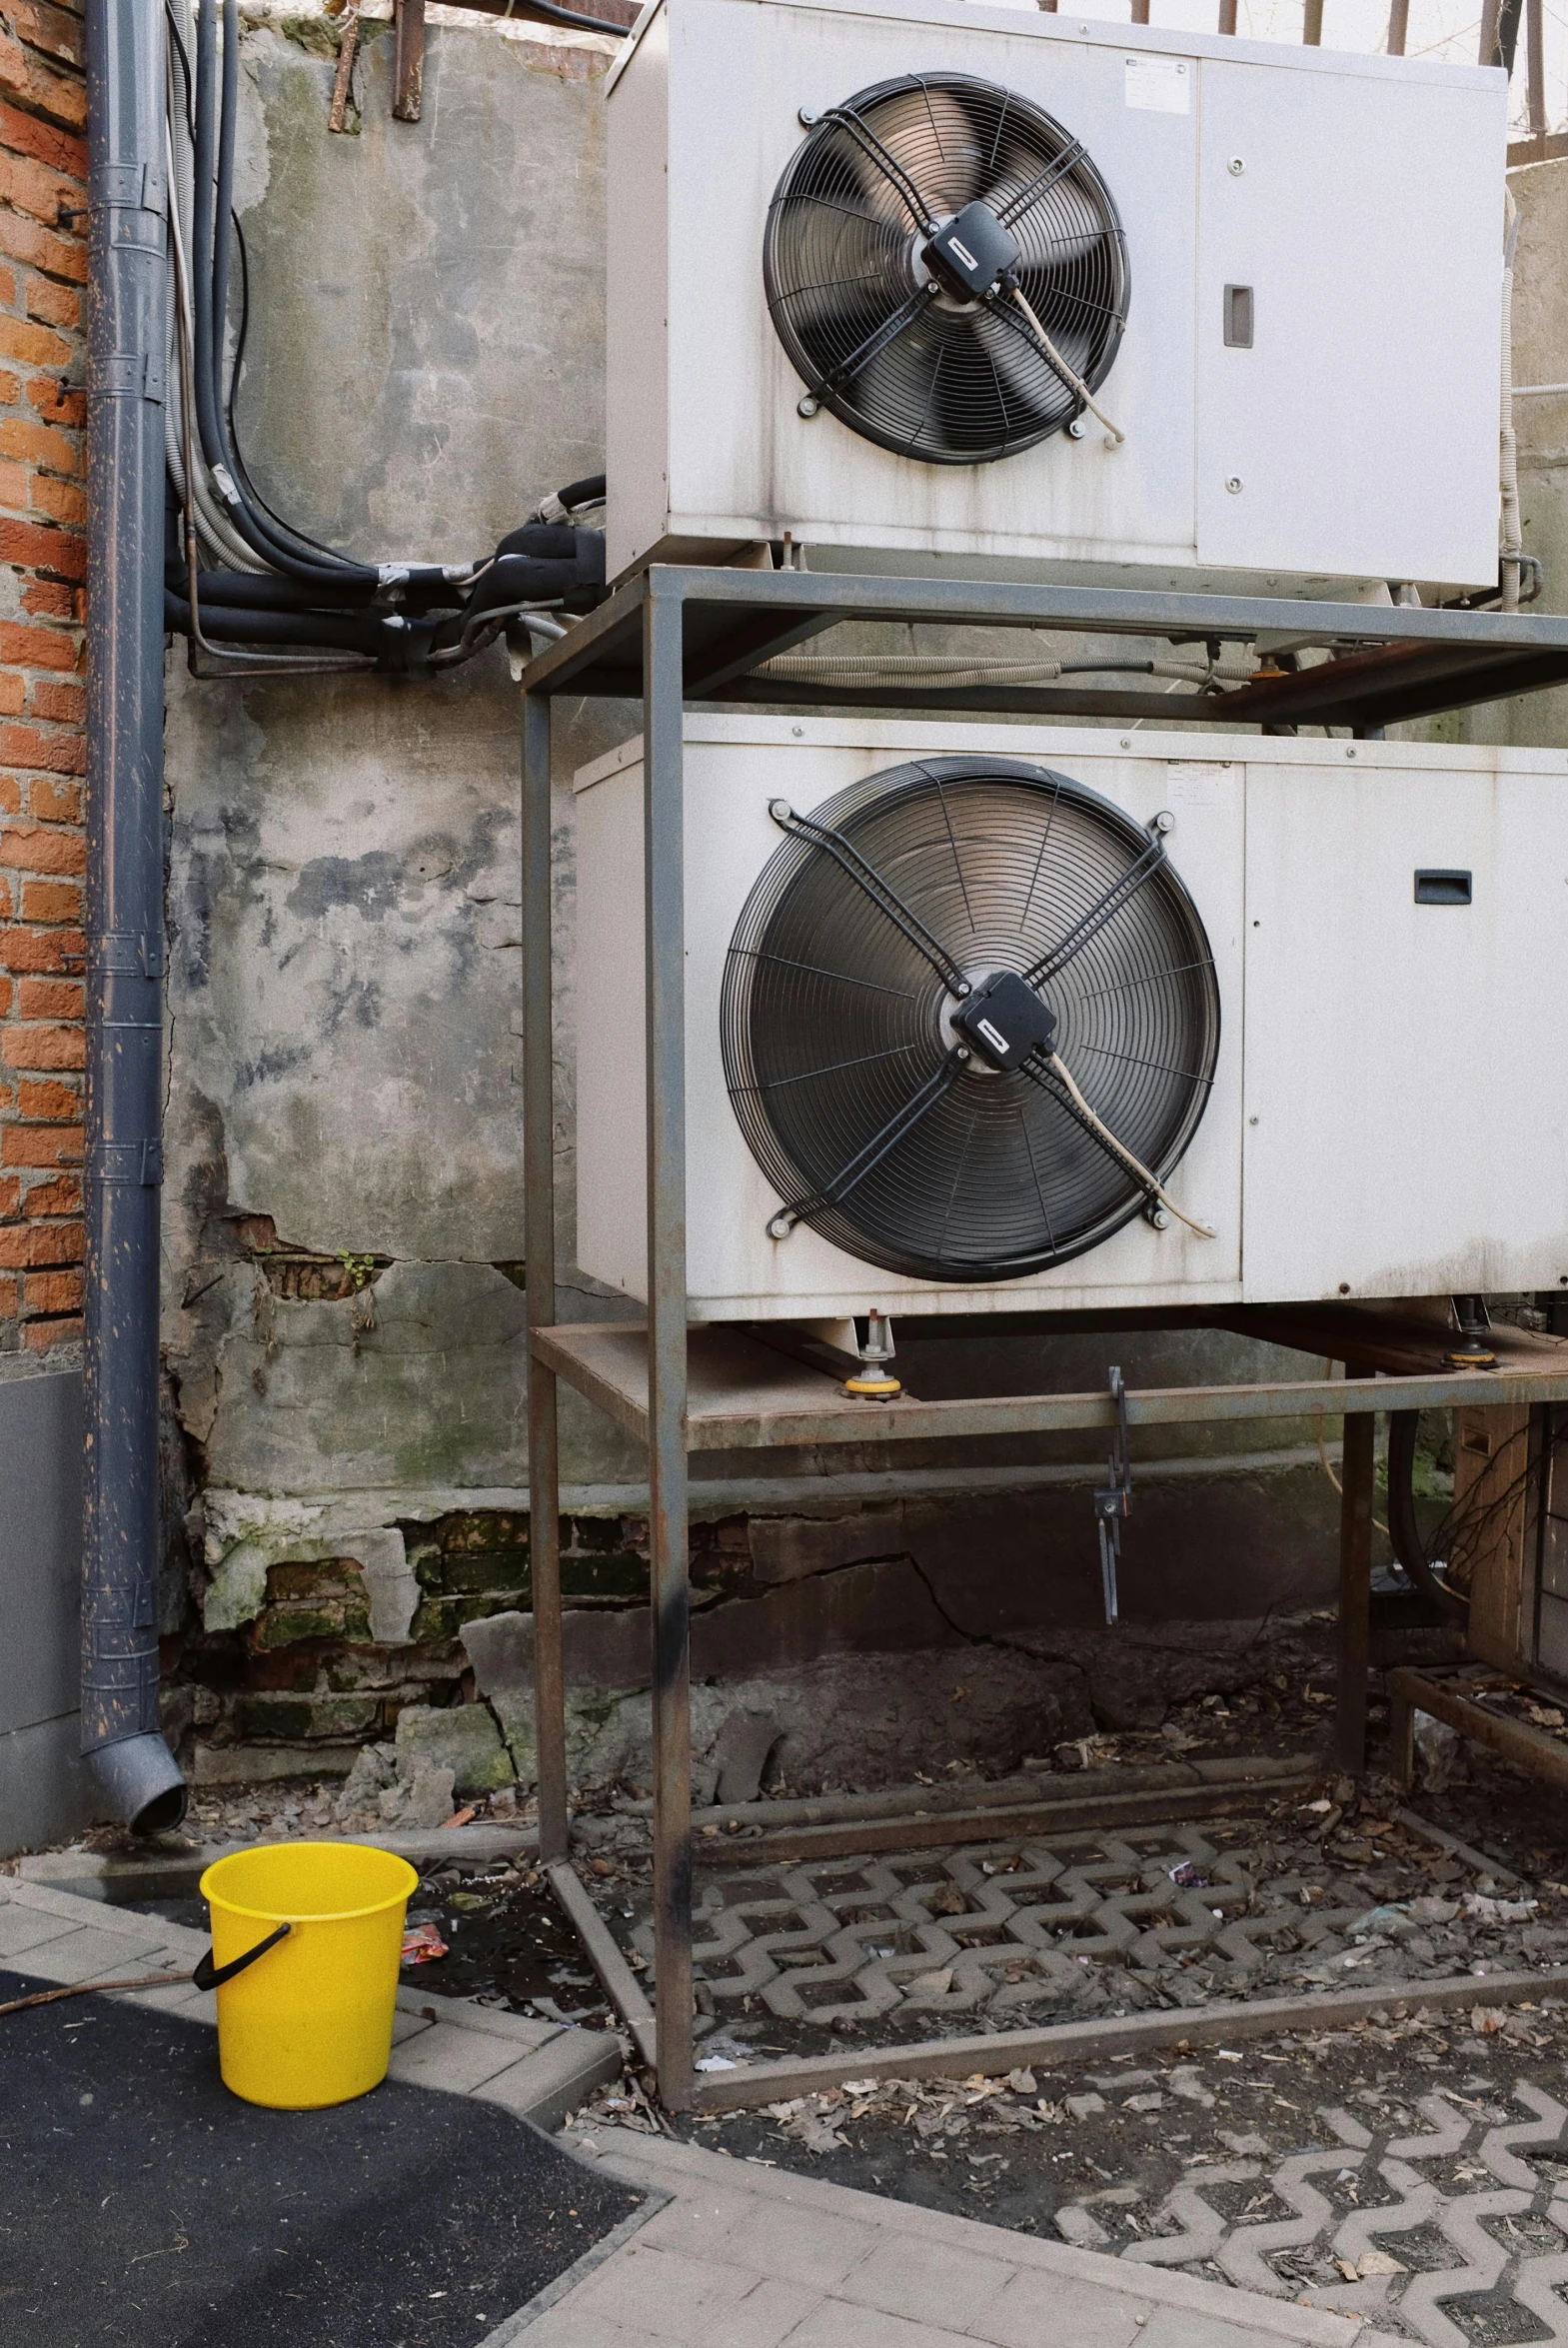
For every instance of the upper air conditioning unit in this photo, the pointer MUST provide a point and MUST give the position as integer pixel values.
(994, 1018)
(1004, 293)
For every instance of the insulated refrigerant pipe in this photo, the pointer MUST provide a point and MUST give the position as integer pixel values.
(127, 233)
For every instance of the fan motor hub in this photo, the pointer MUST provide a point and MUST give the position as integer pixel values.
(1004, 1020)
(969, 252)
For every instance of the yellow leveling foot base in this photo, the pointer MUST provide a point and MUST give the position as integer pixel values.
(872, 1389)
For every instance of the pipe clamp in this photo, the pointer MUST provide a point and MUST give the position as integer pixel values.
(138, 1164)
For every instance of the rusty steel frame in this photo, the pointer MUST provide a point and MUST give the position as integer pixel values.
(1442, 1695)
(671, 636)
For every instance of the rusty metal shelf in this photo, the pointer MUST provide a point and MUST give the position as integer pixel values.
(1390, 663)
(742, 1394)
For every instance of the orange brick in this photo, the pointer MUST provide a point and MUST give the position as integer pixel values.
(8, 279)
(39, 444)
(37, 648)
(51, 801)
(7, 990)
(64, 705)
(6, 1097)
(16, 488)
(43, 949)
(23, 134)
(10, 1197)
(13, 693)
(10, 795)
(36, 85)
(63, 255)
(40, 1047)
(44, 1246)
(46, 1146)
(52, 747)
(10, 388)
(51, 998)
(47, 1101)
(8, 1299)
(51, 900)
(63, 1195)
(37, 546)
(24, 339)
(62, 500)
(58, 401)
(56, 305)
(39, 1335)
(52, 1291)
(40, 848)
(32, 187)
(52, 596)
(55, 31)
(5, 902)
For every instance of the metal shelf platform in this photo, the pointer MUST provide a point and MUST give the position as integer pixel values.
(744, 1394)
(1391, 662)
(671, 637)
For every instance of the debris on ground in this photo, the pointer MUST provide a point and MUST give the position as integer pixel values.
(1411, 2169)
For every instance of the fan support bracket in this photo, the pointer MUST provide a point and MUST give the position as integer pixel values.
(1113, 1500)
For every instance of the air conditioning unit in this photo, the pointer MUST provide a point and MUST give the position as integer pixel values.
(997, 293)
(990, 1017)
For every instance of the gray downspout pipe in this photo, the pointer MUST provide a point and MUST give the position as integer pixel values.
(127, 203)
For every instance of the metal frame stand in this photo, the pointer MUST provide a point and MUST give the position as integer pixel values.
(674, 636)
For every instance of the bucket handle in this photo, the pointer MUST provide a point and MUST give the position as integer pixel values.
(209, 1977)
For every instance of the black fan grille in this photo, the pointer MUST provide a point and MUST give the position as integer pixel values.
(956, 383)
(831, 1020)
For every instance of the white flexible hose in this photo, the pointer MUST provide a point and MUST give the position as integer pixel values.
(1118, 436)
(905, 669)
(1157, 1190)
(873, 669)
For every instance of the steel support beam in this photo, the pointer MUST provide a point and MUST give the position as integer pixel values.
(539, 1161)
(1355, 1590)
(664, 905)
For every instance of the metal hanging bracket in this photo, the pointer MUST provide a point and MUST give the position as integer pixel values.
(1113, 1501)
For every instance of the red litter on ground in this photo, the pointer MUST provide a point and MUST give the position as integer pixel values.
(422, 1943)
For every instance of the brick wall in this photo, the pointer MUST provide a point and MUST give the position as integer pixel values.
(43, 269)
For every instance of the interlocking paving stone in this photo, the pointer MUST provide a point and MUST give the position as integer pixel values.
(949, 1932)
(1476, 2224)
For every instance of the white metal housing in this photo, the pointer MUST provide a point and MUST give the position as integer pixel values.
(1387, 1117)
(1360, 197)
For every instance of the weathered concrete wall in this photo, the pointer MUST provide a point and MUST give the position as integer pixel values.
(1540, 356)
(345, 1313)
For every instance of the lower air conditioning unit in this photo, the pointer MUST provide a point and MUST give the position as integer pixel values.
(992, 1018)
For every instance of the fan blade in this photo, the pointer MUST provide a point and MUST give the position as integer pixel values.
(933, 136)
(835, 321)
(1035, 395)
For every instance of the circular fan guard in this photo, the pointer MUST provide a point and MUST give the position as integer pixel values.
(903, 362)
(833, 1019)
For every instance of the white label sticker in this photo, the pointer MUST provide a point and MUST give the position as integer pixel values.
(1195, 784)
(1161, 85)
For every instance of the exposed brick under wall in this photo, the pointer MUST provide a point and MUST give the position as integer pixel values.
(43, 753)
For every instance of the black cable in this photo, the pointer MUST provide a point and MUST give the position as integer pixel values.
(243, 475)
(588, 24)
(360, 631)
(210, 271)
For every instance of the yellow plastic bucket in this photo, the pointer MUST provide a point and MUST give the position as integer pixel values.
(306, 1942)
